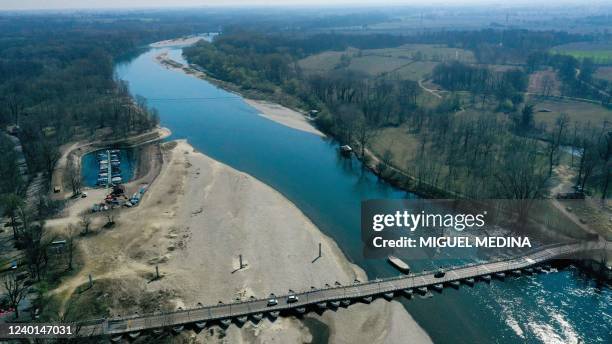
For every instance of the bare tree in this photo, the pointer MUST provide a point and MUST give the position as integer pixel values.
(364, 135)
(85, 223)
(605, 154)
(75, 178)
(35, 245)
(521, 177)
(548, 83)
(555, 140)
(386, 160)
(71, 234)
(11, 204)
(111, 217)
(15, 291)
(50, 155)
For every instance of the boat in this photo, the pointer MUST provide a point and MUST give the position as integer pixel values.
(399, 264)
(116, 180)
(346, 149)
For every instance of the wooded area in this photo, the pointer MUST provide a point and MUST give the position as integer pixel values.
(473, 155)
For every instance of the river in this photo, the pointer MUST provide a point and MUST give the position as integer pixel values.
(562, 307)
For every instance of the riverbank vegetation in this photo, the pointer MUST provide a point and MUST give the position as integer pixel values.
(467, 126)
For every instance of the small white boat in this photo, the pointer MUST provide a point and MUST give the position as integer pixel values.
(346, 149)
(399, 264)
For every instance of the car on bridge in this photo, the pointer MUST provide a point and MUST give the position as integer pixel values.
(439, 274)
(272, 301)
(292, 299)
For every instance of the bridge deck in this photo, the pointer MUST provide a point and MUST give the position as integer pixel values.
(355, 291)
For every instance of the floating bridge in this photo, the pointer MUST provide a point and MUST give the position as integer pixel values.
(333, 296)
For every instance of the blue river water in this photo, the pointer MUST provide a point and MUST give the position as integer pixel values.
(562, 307)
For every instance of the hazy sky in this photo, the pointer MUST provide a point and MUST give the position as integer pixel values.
(68, 4)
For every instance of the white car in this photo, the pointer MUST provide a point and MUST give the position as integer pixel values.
(272, 302)
(292, 299)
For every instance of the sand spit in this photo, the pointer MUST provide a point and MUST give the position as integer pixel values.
(272, 111)
(197, 218)
(283, 115)
(176, 42)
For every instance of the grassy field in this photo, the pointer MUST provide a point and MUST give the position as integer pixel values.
(402, 145)
(323, 62)
(375, 65)
(412, 61)
(425, 52)
(581, 112)
(416, 70)
(600, 52)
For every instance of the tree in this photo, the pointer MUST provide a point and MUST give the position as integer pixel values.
(71, 235)
(386, 160)
(111, 217)
(50, 155)
(12, 203)
(35, 245)
(364, 135)
(526, 119)
(85, 223)
(548, 82)
(520, 176)
(605, 154)
(75, 178)
(15, 290)
(555, 140)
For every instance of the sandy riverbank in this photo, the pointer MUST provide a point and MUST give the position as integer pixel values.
(283, 115)
(272, 111)
(198, 216)
(176, 41)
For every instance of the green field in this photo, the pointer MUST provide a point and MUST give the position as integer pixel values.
(425, 52)
(600, 52)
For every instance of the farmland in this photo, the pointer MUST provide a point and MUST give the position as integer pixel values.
(601, 53)
(411, 61)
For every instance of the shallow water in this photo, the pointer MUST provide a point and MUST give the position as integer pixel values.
(553, 308)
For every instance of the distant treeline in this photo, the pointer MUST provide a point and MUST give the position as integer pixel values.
(489, 45)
